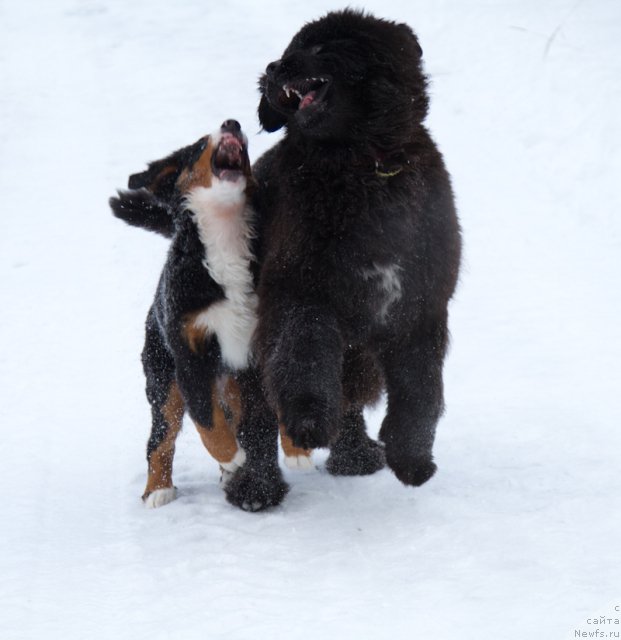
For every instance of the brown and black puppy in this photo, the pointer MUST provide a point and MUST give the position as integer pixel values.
(197, 353)
(360, 244)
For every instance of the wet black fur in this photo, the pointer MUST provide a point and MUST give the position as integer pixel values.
(185, 287)
(351, 187)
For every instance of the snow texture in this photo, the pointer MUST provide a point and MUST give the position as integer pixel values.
(518, 534)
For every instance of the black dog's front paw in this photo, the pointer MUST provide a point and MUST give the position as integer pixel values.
(308, 422)
(412, 471)
(356, 459)
(255, 489)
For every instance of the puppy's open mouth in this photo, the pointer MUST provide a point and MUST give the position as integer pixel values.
(301, 94)
(229, 159)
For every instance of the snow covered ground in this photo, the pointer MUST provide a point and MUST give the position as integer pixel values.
(517, 537)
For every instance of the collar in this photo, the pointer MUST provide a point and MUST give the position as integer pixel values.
(387, 174)
(388, 164)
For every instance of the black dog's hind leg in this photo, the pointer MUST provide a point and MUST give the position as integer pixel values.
(302, 360)
(167, 410)
(413, 372)
(259, 483)
(353, 453)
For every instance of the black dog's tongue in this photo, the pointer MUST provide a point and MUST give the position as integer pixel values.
(307, 99)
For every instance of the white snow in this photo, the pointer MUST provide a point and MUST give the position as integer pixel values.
(518, 534)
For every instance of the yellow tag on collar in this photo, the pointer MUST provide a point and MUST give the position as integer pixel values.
(387, 174)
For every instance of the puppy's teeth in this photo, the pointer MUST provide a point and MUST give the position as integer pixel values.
(286, 90)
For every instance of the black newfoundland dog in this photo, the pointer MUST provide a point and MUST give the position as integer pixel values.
(360, 245)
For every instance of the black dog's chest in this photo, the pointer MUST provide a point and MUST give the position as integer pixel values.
(337, 251)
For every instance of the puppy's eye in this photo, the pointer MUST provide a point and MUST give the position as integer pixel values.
(316, 49)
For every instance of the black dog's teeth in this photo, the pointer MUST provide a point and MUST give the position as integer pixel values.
(293, 92)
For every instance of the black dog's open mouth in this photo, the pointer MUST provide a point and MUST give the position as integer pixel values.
(301, 94)
(230, 157)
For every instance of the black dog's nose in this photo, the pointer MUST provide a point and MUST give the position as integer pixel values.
(231, 126)
(272, 67)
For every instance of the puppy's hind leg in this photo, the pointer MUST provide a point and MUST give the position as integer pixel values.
(195, 370)
(167, 410)
(220, 439)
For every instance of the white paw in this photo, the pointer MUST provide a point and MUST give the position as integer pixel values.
(225, 477)
(301, 463)
(238, 461)
(160, 497)
(228, 469)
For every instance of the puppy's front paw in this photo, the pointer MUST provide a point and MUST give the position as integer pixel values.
(159, 497)
(255, 489)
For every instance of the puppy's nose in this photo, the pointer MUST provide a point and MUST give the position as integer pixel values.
(272, 67)
(230, 126)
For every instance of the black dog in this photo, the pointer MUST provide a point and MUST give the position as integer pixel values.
(360, 245)
(199, 328)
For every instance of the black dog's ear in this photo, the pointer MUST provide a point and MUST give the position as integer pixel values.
(417, 50)
(270, 119)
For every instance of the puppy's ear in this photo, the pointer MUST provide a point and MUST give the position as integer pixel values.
(270, 119)
(161, 176)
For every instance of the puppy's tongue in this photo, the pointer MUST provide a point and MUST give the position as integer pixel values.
(307, 99)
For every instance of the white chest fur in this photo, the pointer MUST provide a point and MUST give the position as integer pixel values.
(223, 219)
(386, 281)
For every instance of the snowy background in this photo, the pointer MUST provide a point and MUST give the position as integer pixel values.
(517, 537)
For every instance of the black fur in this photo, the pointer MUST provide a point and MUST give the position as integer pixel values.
(360, 244)
(141, 208)
(186, 287)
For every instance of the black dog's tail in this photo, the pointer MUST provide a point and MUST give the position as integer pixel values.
(140, 208)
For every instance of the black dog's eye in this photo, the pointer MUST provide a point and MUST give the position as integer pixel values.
(316, 49)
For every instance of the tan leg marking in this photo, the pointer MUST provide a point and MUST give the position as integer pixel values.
(220, 440)
(161, 460)
(193, 333)
(230, 396)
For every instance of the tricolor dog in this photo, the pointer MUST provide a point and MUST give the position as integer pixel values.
(197, 354)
